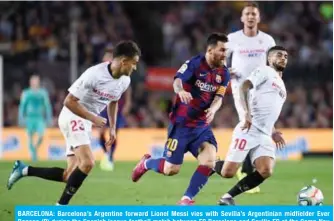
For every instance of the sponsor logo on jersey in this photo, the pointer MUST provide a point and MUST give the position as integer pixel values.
(280, 90)
(103, 95)
(253, 52)
(204, 86)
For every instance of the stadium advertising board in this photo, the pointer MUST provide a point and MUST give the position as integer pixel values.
(133, 143)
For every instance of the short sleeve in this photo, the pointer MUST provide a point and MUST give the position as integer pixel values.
(82, 84)
(258, 77)
(186, 71)
(126, 83)
(224, 84)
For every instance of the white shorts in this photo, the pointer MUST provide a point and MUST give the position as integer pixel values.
(76, 130)
(254, 142)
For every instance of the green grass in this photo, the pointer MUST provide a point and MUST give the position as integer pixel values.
(116, 188)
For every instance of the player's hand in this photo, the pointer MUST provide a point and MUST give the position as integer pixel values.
(112, 138)
(99, 121)
(248, 122)
(185, 96)
(210, 114)
(278, 139)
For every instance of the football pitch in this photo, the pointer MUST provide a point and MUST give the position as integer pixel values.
(116, 188)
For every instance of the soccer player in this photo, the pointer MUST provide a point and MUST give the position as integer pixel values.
(124, 105)
(247, 49)
(262, 96)
(97, 87)
(200, 86)
(35, 113)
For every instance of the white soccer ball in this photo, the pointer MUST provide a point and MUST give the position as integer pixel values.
(310, 196)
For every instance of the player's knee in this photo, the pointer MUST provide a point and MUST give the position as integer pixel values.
(228, 172)
(170, 170)
(67, 174)
(265, 172)
(87, 165)
(208, 163)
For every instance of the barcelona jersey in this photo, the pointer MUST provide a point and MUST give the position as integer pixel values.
(204, 83)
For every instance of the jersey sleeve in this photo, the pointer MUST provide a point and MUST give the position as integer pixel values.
(224, 84)
(186, 71)
(82, 84)
(126, 84)
(258, 77)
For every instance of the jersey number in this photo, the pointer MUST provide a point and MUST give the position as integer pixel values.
(77, 125)
(240, 144)
(172, 144)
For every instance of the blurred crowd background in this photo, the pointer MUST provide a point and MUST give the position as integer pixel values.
(35, 38)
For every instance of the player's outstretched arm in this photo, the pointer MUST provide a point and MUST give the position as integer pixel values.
(244, 93)
(72, 103)
(185, 96)
(214, 107)
(112, 114)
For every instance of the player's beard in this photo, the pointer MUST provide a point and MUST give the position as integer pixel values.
(278, 67)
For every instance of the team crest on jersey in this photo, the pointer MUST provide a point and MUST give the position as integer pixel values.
(218, 79)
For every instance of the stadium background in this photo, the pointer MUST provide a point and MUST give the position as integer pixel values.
(58, 40)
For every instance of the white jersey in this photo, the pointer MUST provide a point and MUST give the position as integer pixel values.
(96, 87)
(266, 98)
(248, 53)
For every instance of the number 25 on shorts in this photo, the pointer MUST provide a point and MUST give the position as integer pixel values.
(172, 144)
(240, 144)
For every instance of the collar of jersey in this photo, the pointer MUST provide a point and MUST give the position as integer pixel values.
(108, 67)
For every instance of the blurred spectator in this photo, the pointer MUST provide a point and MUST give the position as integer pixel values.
(33, 34)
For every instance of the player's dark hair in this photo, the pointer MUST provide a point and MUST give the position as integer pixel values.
(214, 38)
(251, 4)
(276, 48)
(127, 49)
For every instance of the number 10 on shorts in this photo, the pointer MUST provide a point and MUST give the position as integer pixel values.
(240, 144)
(172, 144)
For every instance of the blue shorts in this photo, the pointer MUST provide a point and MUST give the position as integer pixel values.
(120, 123)
(183, 139)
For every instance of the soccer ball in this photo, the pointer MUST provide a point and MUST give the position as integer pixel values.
(310, 196)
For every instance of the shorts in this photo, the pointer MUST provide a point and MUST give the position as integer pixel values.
(254, 142)
(76, 130)
(120, 123)
(36, 125)
(183, 139)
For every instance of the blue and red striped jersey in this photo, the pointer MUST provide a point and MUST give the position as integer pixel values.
(204, 83)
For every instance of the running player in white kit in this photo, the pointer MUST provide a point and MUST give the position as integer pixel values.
(262, 96)
(99, 86)
(247, 50)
